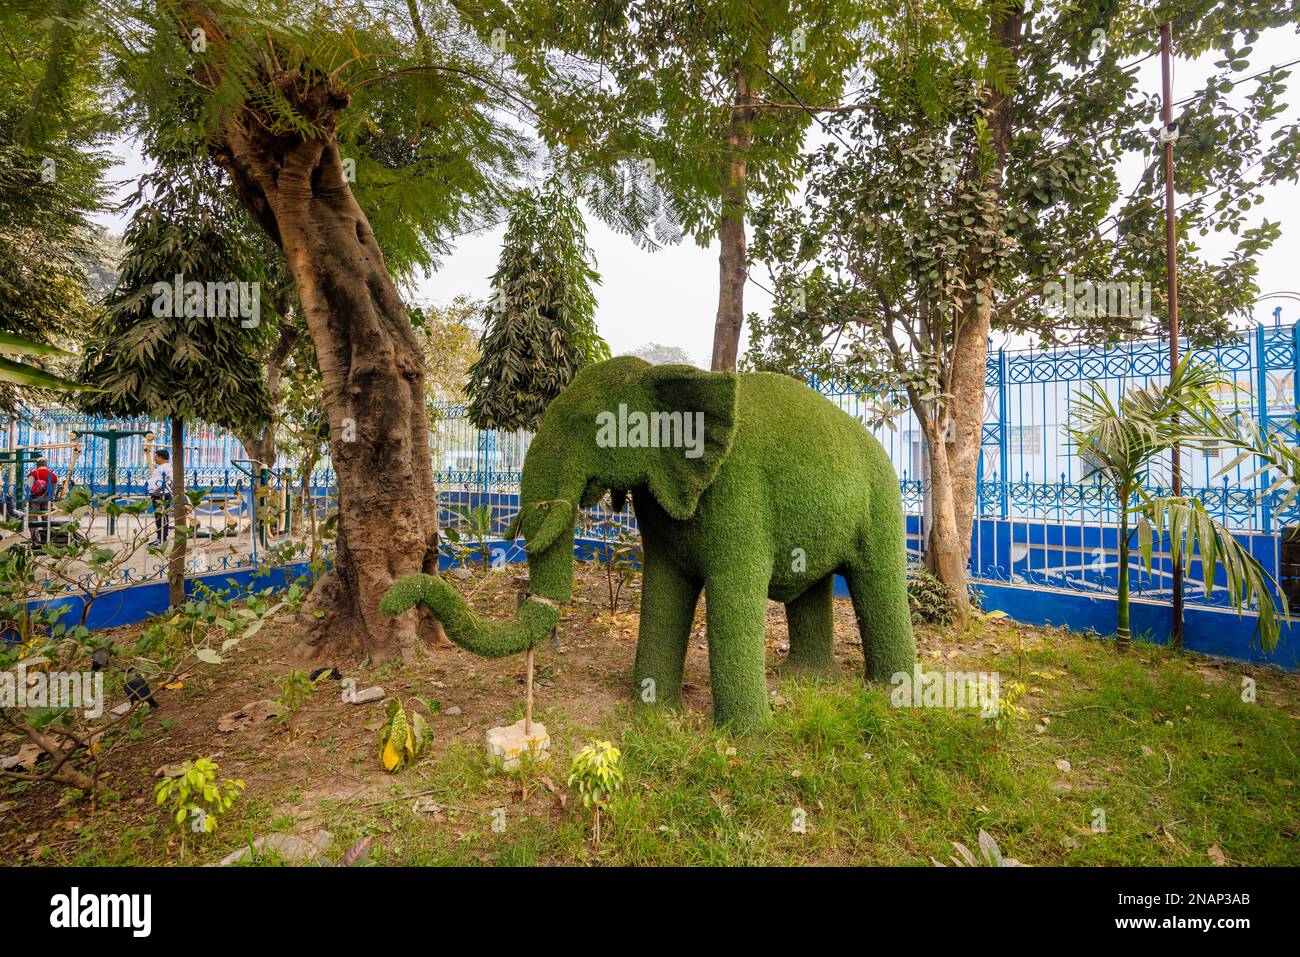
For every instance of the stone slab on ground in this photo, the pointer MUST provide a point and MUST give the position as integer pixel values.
(290, 848)
(255, 712)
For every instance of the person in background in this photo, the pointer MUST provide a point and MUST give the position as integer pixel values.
(159, 488)
(42, 485)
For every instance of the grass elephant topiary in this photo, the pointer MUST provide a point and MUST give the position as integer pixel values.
(747, 486)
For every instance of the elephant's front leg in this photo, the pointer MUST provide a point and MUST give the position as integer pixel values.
(668, 599)
(737, 616)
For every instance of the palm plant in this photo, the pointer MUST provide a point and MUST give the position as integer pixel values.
(1123, 441)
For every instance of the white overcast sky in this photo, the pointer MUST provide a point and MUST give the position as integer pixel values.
(670, 296)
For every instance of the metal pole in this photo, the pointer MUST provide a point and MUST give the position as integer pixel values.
(1169, 134)
(112, 477)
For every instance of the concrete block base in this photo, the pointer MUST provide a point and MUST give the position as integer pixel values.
(510, 745)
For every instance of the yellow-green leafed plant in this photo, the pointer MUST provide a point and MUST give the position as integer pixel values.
(197, 796)
(402, 738)
(1009, 710)
(595, 772)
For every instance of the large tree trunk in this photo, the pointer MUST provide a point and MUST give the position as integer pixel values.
(966, 407)
(731, 230)
(946, 551)
(371, 365)
(180, 540)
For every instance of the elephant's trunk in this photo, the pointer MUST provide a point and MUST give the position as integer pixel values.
(551, 575)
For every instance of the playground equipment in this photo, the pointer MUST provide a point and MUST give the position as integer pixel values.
(112, 437)
(268, 504)
(14, 463)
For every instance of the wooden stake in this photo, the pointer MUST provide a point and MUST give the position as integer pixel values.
(528, 700)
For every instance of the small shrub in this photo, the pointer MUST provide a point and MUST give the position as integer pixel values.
(295, 688)
(1009, 709)
(595, 771)
(473, 535)
(196, 796)
(622, 560)
(929, 599)
(401, 739)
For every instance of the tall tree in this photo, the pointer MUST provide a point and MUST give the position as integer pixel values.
(180, 336)
(448, 332)
(54, 130)
(360, 137)
(960, 201)
(707, 100)
(539, 328)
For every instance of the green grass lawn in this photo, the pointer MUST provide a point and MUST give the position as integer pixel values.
(1177, 763)
(1160, 748)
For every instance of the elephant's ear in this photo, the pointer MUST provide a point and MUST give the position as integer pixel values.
(707, 401)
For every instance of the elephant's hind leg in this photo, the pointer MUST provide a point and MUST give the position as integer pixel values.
(668, 599)
(811, 618)
(737, 614)
(878, 585)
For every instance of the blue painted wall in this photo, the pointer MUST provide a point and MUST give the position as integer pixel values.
(1211, 631)
(126, 606)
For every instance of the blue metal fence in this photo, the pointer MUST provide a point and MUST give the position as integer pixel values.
(1041, 518)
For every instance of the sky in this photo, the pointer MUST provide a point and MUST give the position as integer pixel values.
(670, 296)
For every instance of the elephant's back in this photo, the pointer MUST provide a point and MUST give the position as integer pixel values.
(779, 415)
(803, 479)
(816, 464)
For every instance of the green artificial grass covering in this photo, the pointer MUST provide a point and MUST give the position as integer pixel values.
(747, 487)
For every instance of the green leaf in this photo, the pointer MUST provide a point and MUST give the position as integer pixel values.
(18, 374)
(12, 345)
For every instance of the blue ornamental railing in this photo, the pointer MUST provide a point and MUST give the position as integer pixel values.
(1041, 519)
